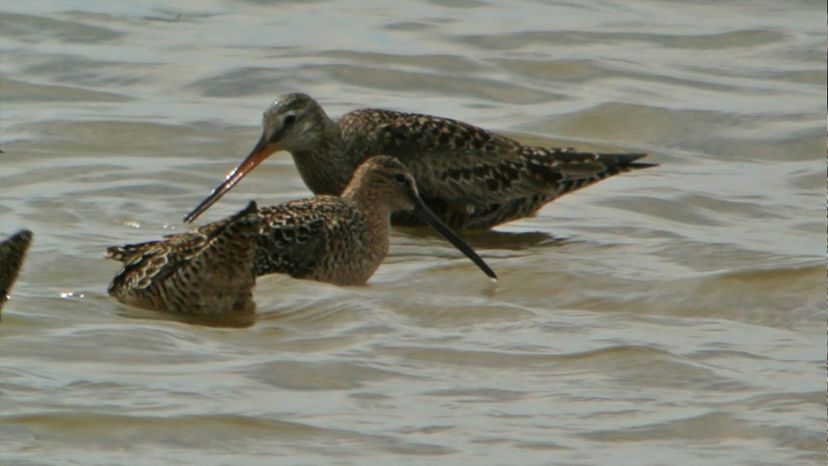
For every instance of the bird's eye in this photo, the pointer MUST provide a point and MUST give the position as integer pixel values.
(290, 119)
(400, 178)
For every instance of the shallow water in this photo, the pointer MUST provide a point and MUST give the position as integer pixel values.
(669, 316)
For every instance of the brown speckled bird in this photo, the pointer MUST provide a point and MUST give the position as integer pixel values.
(207, 271)
(470, 177)
(343, 239)
(336, 239)
(12, 252)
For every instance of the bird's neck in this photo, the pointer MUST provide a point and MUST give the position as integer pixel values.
(372, 205)
(324, 164)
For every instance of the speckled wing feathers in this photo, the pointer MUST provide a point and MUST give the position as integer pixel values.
(450, 158)
(306, 238)
(476, 161)
(294, 237)
(476, 177)
(205, 272)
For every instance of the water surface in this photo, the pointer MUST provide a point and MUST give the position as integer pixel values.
(670, 316)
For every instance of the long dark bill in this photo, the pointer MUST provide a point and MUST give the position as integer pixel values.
(425, 214)
(256, 156)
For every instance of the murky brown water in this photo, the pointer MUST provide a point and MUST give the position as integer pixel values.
(670, 316)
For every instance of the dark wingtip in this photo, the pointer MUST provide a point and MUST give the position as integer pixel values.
(17, 244)
(251, 207)
(630, 162)
(626, 161)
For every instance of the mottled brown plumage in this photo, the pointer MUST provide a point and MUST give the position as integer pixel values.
(470, 177)
(336, 239)
(207, 271)
(343, 239)
(12, 253)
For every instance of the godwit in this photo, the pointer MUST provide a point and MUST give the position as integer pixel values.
(12, 252)
(470, 177)
(336, 239)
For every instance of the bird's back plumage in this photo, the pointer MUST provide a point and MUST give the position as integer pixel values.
(472, 177)
(207, 271)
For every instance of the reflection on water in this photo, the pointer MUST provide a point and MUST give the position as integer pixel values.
(492, 239)
(673, 313)
(234, 320)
